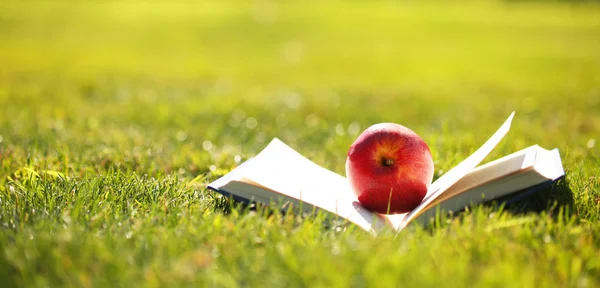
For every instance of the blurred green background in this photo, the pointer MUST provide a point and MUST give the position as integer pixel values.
(115, 114)
(385, 44)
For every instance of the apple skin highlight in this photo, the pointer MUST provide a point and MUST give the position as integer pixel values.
(389, 168)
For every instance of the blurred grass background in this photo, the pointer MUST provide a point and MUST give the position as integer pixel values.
(115, 114)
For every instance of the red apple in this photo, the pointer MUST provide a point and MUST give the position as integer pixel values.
(389, 168)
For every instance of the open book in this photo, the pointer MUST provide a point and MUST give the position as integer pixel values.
(279, 174)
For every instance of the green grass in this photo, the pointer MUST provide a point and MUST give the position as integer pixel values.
(115, 115)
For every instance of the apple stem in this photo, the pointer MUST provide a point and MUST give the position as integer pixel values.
(388, 162)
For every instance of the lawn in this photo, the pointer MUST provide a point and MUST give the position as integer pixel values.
(115, 115)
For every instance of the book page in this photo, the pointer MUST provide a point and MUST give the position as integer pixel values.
(534, 166)
(280, 168)
(499, 168)
(551, 167)
(459, 171)
(234, 175)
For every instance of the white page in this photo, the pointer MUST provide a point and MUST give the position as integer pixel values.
(499, 168)
(459, 171)
(234, 175)
(280, 168)
(522, 170)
